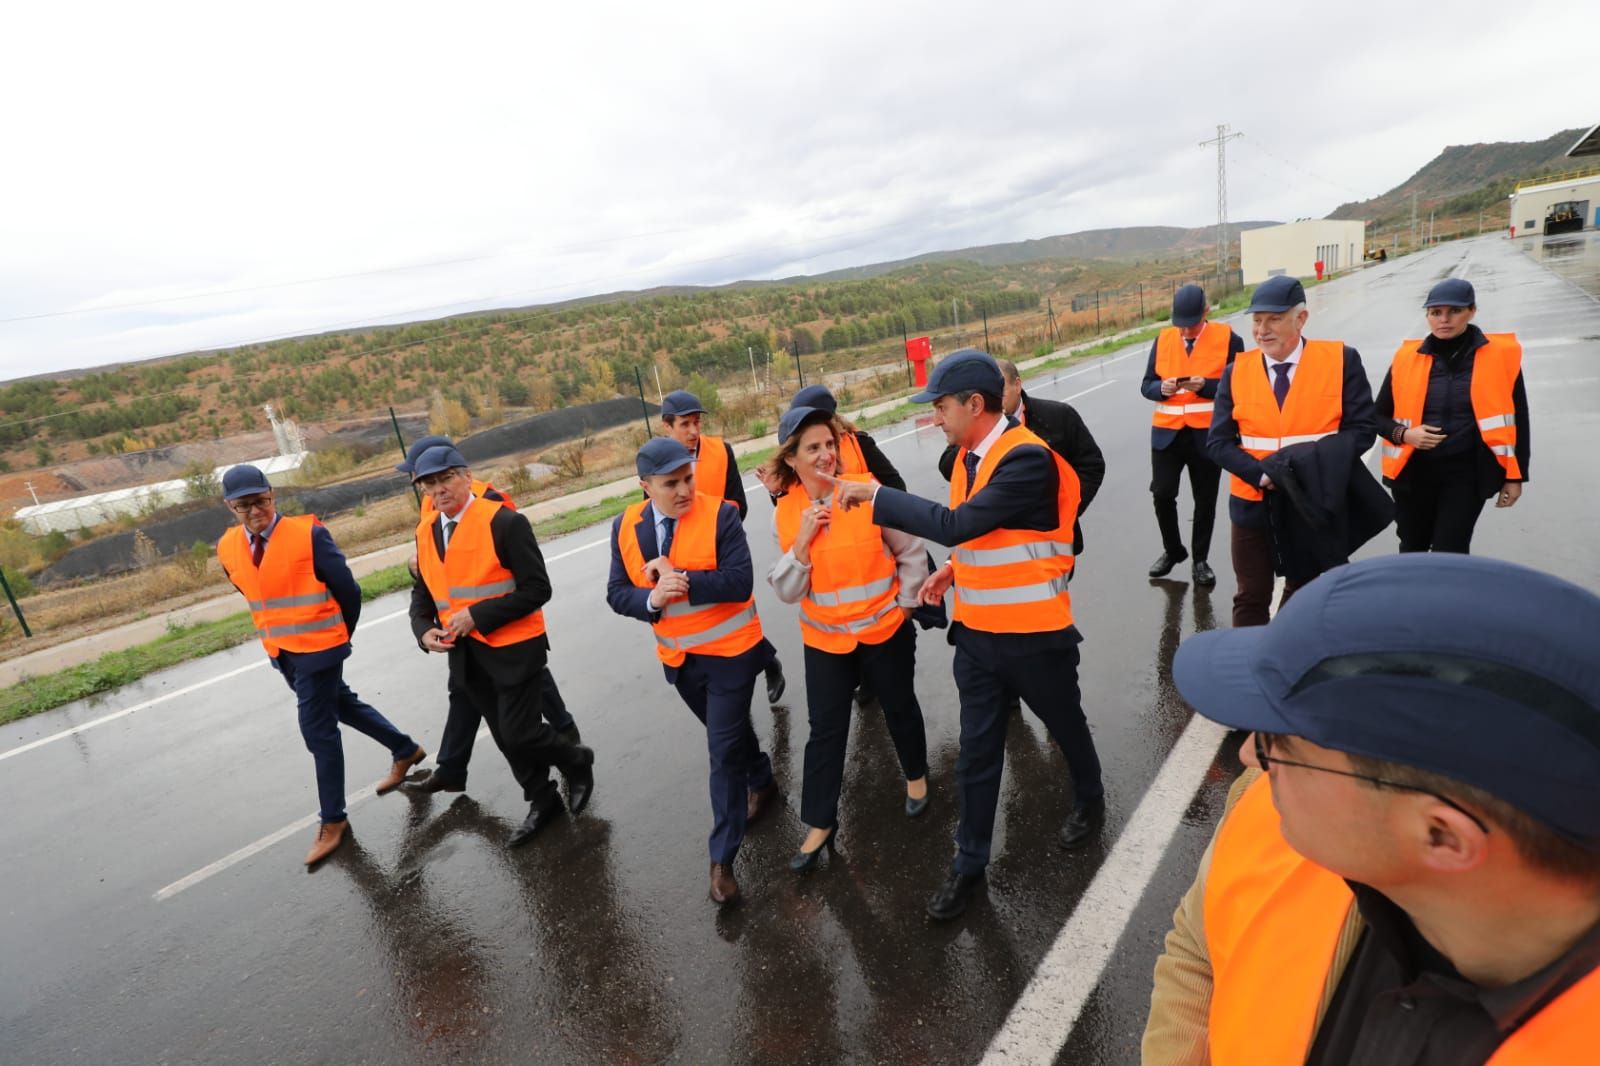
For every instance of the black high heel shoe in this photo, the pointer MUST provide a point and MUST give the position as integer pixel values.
(805, 860)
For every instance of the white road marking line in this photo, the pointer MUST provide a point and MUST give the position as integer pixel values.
(1074, 396)
(579, 548)
(1093, 388)
(1044, 1015)
(205, 873)
(156, 700)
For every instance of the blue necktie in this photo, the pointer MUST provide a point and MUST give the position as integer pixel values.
(971, 462)
(1280, 385)
(666, 534)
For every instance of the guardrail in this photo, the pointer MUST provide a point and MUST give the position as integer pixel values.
(1557, 179)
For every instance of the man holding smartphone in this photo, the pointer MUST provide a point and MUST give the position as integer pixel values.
(1186, 364)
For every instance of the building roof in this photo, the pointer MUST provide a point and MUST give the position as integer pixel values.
(1588, 144)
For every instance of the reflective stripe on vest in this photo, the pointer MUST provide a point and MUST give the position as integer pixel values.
(1311, 411)
(1495, 368)
(471, 571)
(711, 468)
(854, 589)
(1273, 922)
(290, 608)
(1185, 409)
(717, 629)
(1014, 580)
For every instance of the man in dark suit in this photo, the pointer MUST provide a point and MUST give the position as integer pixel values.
(482, 606)
(680, 561)
(1059, 425)
(1181, 379)
(1285, 391)
(1012, 502)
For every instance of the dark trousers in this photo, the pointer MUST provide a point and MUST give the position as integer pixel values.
(1047, 681)
(1437, 504)
(718, 692)
(1253, 575)
(1186, 452)
(831, 679)
(326, 701)
(461, 726)
(509, 702)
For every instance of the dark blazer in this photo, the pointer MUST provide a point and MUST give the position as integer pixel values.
(1020, 494)
(1150, 388)
(1326, 506)
(518, 551)
(1061, 427)
(1358, 423)
(733, 581)
(878, 464)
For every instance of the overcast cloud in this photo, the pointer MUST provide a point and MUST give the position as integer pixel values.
(184, 176)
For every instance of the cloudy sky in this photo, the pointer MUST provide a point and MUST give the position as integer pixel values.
(183, 176)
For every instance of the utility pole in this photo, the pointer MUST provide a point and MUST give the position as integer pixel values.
(1221, 141)
(754, 381)
(1413, 222)
(1430, 226)
(35, 495)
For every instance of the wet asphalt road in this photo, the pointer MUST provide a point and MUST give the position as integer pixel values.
(424, 940)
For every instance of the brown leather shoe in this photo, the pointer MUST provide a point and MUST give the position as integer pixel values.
(329, 836)
(724, 889)
(760, 801)
(397, 772)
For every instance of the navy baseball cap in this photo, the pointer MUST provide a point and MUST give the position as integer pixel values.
(1452, 292)
(797, 418)
(661, 455)
(418, 446)
(1480, 670)
(967, 370)
(1189, 306)
(243, 480)
(436, 460)
(1281, 293)
(678, 402)
(815, 396)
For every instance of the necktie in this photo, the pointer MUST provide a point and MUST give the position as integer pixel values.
(1188, 346)
(1280, 384)
(449, 531)
(971, 462)
(667, 525)
(258, 548)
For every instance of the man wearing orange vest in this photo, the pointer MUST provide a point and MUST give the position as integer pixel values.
(716, 473)
(1453, 415)
(305, 604)
(481, 564)
(1181, 378)
(680, 561)
(1409, 872)
(1012, 505)
(1285, 391)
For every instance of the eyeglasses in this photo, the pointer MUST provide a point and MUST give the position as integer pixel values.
(1263, 742)
(260, 503)
(433, 481)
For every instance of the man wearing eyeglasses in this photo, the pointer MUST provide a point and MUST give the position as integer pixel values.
(305, 604)
(1409, 872)
(487, 582)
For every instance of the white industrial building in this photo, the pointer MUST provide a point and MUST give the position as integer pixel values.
(1295, 248)
(1564, 203)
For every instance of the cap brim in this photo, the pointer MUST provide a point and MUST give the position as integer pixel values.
(404, 468)
(670, 469)
(926, 396)
(1270, 309)
(237, 494)
(1214, 672)
(1187, 320)
(1446, 303)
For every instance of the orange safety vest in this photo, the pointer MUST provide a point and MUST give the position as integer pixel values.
(480, 489)
(1272, 923)
(853, 583)
(720, 629)
(292, 610)
(711, 470)
(1494, 372)
(471, 571)
(852, 460)
(1185, 409)
(1014, 580)
(1311, 411)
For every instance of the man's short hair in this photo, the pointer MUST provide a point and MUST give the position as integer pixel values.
(991, 402)
(1009, 371)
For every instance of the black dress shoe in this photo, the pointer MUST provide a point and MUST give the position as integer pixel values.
(759, 802)
(775, 682)
(432, 783)
(1204, 576)
(804, 860)
(580, 786)
(952, 897)
(1084, 821)
(1163, 566)
(569, 735)
(539, 816)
